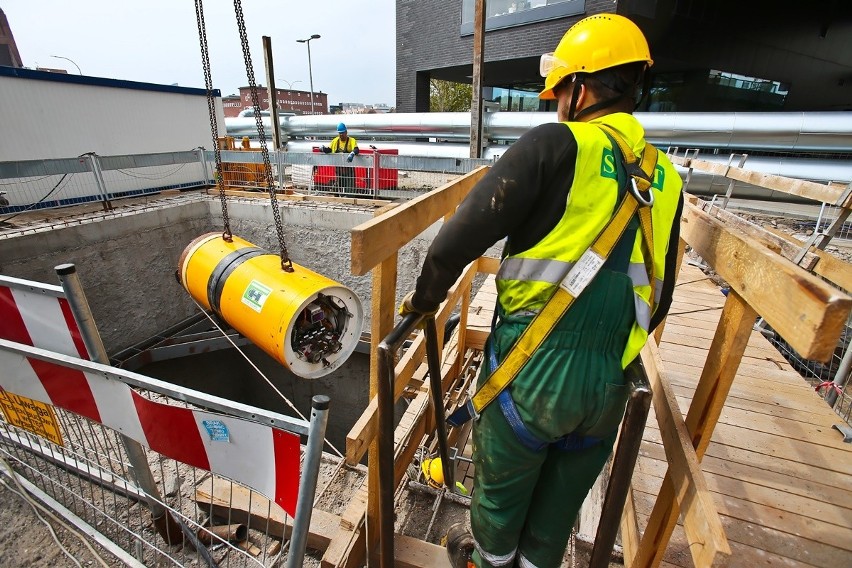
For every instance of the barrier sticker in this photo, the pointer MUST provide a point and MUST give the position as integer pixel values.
(217, 430)
(31, 415)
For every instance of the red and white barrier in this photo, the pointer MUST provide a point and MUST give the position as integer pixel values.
(39, 315)
(39, 349)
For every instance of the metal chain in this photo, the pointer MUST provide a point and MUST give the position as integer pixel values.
(211, 111)
(286, 264)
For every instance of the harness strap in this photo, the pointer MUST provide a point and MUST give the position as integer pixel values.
(577, 279)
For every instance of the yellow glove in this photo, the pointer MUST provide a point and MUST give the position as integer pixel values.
(406, 307)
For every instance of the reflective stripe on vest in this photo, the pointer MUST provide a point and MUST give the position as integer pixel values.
(527, 279)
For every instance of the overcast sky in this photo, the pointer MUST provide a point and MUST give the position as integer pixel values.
(156, 41)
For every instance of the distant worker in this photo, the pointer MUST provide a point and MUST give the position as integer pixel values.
(344, 144)
(540, 445)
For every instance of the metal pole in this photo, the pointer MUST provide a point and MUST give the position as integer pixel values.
(730, 190)
(840, 377)
(202, 157)
(163, 521)
(95, 165)
(622, 464)
(308, 483)
(434, 361)
(273, 99)
(310, 75)
(387, 375)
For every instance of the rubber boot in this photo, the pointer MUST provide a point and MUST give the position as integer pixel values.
(459, 543)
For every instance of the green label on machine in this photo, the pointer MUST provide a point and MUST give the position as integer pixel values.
(255, 295)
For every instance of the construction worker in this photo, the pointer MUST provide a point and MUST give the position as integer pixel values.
(343, 143)
(539, 450)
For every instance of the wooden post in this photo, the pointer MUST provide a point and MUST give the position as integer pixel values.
(478, 73)
(723, 359)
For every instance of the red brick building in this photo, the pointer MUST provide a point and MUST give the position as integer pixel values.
(289, 100)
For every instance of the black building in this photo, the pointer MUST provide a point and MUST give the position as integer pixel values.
(709, 55)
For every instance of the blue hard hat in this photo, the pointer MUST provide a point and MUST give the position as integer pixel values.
(341, 127)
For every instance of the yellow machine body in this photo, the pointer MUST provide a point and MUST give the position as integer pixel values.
(307, 322)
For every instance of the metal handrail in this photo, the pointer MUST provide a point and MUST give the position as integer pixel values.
(387, 376)
(623, 463)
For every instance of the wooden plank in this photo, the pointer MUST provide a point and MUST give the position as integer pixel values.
(383, 236)
(754, 472)
(630, 535)
(782, 499)
(241, 505)
(786, 247)
(828, 266)
(347, 544)
(742, 555)
(759, 540)
(813, 313)
(707, 542)
(723, 359)
(488, 265)
(411, 552)
(807, 189)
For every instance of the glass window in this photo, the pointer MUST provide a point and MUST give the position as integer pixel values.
(508, 13)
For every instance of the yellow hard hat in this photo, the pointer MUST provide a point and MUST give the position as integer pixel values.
(433, 471)
(592, 44)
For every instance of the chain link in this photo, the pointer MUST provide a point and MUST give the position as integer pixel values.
(211, 111)
(286, 264)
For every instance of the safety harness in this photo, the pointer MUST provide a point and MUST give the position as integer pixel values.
(638, 197)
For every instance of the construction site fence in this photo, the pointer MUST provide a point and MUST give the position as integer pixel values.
(110, 488)
(45, 184)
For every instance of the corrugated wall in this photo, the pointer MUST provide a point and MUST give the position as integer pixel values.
(45, 115)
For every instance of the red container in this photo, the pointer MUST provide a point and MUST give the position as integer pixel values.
(365, 180)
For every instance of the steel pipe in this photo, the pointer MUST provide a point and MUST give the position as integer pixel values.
(783, 131)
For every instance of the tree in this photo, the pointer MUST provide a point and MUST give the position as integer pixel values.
(447, 96)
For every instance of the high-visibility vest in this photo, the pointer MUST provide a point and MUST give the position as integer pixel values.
(527, 279)
(339, 146)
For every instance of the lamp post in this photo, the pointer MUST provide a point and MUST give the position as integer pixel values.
(71, 60)
(289, 83)
(310, 72)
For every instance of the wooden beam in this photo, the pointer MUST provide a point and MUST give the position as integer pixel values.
(414, 553)
(812, 313)
(826, 193)
(488, 265)
(826, 264)
(703, 527)
(630, 535)
(773, 241)
(241, 505)
(378, 238)
(723, 358)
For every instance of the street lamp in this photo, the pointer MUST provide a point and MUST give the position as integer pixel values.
(310, 73)
(289, 83)
(71, 60)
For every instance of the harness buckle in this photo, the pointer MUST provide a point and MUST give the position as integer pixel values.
(643, 201)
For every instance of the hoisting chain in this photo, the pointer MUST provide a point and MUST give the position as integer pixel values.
(286, 264)
(211, 111)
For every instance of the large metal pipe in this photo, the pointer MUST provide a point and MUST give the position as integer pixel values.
(820, 170)
(782, 131)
